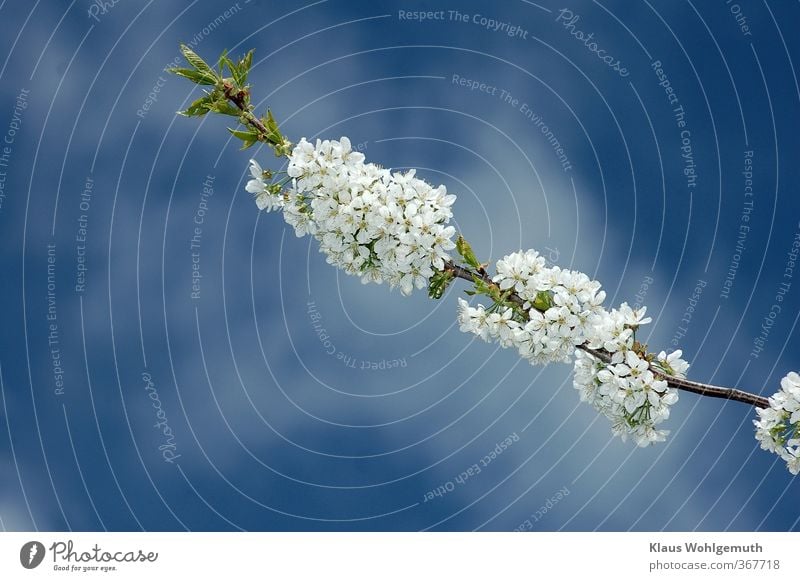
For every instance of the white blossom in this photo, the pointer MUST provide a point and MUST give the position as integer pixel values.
(672, 364)
(259, 188)
(630, 389)
(627, 392)
(562, 310)
(380, 225)
(778, 426)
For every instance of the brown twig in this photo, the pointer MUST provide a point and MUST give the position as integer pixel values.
(239, 98)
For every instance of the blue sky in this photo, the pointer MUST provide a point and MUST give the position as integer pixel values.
(225, 410)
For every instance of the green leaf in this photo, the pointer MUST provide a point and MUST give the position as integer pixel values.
(223, 62)
(237, 77)
(543, 301)
(225, 108)
(273, 133)
(199, 107)
(244, 135)
(465, 250)
(248, 138)
(197, 77)
(240, 70)
(194, 59)
(270, 122)
(438, 283)
(244, 67)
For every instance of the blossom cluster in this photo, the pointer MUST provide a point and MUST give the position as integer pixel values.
(630, 389)
(555, 311)
(380, 225)
(540, 335)
(778, 426)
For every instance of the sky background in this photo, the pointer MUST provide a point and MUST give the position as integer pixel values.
(232, 409)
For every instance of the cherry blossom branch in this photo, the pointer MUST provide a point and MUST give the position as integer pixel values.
(392, 227)
(239, 98)
(676, 382)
